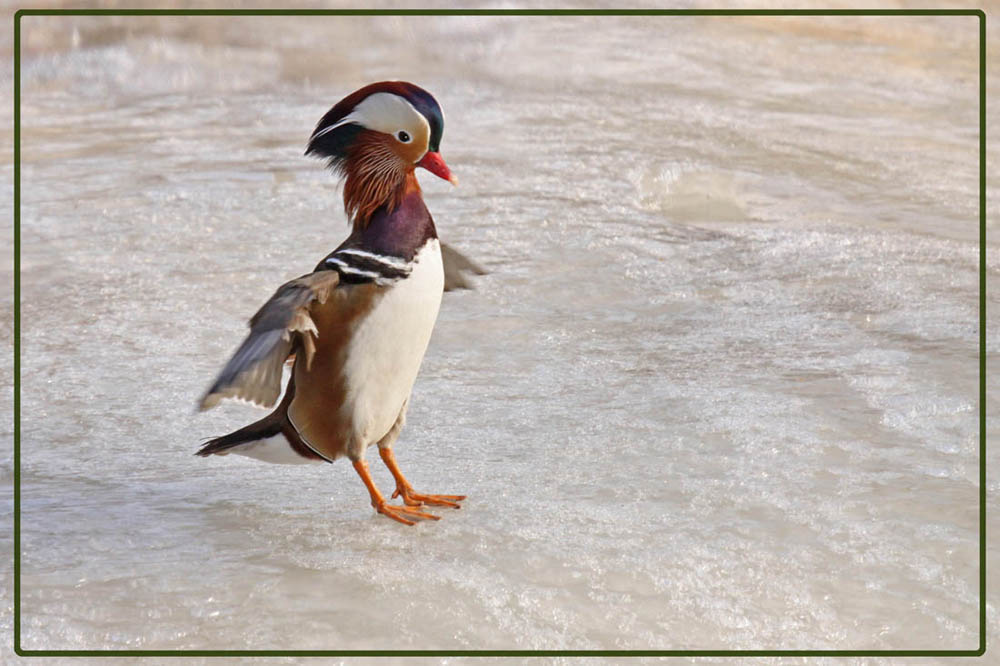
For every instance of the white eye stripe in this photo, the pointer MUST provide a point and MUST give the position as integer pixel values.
(327, 130)
(384, 112)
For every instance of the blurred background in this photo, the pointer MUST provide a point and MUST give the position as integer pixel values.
(719, 389)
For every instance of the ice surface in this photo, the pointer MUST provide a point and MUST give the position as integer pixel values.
(719, 389)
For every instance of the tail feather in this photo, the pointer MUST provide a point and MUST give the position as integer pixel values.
(290, 448)
(254, 431)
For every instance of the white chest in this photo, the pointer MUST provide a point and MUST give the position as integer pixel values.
(388, 345)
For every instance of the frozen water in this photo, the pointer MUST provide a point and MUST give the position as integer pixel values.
(719, 389)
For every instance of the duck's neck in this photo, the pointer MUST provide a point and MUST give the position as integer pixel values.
(400, 226)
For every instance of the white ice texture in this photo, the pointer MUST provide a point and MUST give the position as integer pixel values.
(718, 390)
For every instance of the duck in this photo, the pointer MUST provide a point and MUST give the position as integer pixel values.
(356, 328)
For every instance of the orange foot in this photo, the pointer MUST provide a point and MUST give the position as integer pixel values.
(403, 513)
(403, 489)
(411, 498)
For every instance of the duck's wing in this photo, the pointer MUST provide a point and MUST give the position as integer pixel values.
(282, 325)
(456, 265)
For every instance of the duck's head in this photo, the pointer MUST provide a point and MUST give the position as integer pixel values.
(375, 137)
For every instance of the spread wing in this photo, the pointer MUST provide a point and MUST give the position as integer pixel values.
(254, 371)
(456, 265)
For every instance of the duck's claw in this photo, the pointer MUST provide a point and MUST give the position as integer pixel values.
(411, 498)
(404, 513)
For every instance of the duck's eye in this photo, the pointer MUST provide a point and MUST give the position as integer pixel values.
(403, 136)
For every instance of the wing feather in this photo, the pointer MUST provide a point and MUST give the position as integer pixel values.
(254, 371)
(456, 265)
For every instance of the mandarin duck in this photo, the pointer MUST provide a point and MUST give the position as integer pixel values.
(356, 328)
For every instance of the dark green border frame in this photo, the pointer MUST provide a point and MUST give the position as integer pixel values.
(500, 653)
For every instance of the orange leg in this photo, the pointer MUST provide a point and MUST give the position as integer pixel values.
(404, 489)
(400, 513)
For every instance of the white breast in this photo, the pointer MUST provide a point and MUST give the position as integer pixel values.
(387, 347)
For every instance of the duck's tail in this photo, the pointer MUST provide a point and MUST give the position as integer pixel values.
(261, 430)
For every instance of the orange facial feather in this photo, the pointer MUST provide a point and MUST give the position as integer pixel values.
(375, 174)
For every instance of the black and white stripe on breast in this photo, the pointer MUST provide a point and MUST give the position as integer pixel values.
(357, 266)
